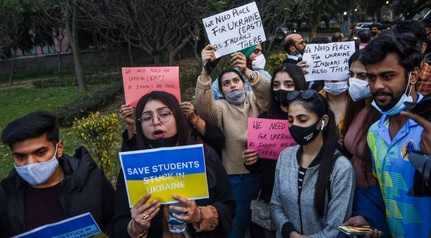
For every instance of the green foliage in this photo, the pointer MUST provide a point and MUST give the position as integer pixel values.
(19, 20)
(18, 101)
(88, 103)
(69, 81)
(275, 60)
(101, 135)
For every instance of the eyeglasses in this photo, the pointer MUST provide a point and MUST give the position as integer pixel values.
(163, 115)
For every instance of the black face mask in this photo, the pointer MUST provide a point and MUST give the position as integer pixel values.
(280, 97)
(166, 142)
(304, 135)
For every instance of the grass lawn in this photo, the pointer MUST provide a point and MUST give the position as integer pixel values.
(16, 102)
(22, 98)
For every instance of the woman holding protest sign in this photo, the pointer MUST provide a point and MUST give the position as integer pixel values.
(285, 79)
(314, 183)
(231, 115)
(201, 130)
(161, 123)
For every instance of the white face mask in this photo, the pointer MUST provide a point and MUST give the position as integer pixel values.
(38, 173)
(358, 89)
(259, 62)
(335, 88)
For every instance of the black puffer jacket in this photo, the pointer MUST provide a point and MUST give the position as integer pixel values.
(84, 189)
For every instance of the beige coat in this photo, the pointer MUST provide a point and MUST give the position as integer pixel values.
(232, 119)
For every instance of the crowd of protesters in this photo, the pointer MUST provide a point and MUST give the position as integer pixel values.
(362, 157)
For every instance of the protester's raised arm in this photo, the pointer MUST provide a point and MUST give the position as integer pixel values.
(262, 92)
(206, 106)
(261, 87)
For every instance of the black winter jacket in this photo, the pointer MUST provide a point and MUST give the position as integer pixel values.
(220, 196)
(84, 189)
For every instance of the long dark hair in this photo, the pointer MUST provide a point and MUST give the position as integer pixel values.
(183, 130)
(353, 109)
(295, 72)
(320, 106)
(229, 70)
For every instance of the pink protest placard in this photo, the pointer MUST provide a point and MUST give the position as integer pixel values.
(268, 137)
(138, 81)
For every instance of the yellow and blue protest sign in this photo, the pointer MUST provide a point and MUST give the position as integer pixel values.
(165, 172)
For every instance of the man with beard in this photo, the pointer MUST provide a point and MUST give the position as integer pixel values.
(294, 44)
(375, 29)
(393, 68)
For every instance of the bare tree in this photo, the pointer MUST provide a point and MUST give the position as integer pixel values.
(160, 30)
(64, 14)
(10, 32)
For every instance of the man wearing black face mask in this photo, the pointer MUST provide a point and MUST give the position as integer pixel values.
(47, 186)
(392, 67)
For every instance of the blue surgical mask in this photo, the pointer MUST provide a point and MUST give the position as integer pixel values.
(335, 88)
(38, 173)
(406, 97)
(236, 97)
(358, 89)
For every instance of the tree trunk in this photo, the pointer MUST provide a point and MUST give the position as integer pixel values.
(315, 21)
(60, 66)
(173, 52)
(196, 50)
(130, 52)
(156, 59)
(60, 60)
(12, 70)
(72, 34)
(171, 58)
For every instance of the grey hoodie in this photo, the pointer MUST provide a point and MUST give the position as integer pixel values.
(285, 205)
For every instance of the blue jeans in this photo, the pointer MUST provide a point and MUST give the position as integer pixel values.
(244, 188)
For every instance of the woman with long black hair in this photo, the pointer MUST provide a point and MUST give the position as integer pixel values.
(314, 183)
(285, 79)
(161, 123)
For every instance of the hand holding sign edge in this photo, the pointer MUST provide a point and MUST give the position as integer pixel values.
(142, 213)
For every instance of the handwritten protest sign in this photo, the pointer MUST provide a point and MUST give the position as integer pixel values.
(75, 227)
(268, 137)
(235, 29)
(328, 61)
(165, 172)
(138, 81)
